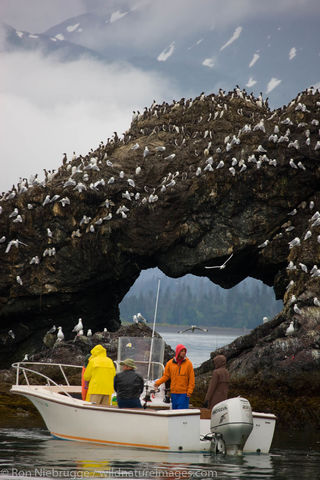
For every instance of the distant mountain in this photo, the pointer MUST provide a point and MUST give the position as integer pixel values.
(277, 57)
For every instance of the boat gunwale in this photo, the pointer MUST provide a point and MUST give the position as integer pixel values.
(89, 406)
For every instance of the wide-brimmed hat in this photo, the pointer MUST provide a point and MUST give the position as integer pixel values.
(129, 363)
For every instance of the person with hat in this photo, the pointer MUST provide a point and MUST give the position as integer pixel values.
(128, 385)
(180, 371)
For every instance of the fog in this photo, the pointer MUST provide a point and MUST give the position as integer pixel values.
(65, 107)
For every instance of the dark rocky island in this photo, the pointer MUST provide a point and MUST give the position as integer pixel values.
(186, 187)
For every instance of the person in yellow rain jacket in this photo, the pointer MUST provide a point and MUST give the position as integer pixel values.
(99, 373)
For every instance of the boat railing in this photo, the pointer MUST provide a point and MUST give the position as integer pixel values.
(21, 368)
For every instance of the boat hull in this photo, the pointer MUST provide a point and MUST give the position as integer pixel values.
(71, 419)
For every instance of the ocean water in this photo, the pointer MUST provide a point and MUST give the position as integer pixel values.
(33, 453)
(199, 344)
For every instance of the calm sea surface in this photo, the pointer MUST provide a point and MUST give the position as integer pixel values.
(33, 453)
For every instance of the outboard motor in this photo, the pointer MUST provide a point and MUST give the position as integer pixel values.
(232, 419)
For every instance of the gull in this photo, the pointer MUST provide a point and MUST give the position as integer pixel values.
(91, 229)
(89, 333)
(317, 147)
(290, 284)
(303, 267)
(243, 168)
(209, 168)
(78, 327)
(300, 165)
(126, 195)
(18, 219)
(292, 299)
(313, 269)
(307, 235)
(14, 213)
(261, 149)
(69, 183)
(108, 217)
(294, 144)
(297, 309)
(292, 164)
(160, 148)
(141, 318)
(18, 278)
(316, 273)
(291, 266)
(46, 200)
(264, 244)
(265, 320)
(52, 329)
(290, 329)
(135, 146)
(25, 358)
(54, 198)
(135, 319)
(146, 151)
(316, 302)
(65, 201)
(121, 174)
(2, 239)
(60, 335)
(11, 334)
(293, 212)
(111, 180)
(34, 260)
(315, 216)
(316, 223)
(80, 186)
(170, 157)
(109, 163)
(138, 170)
(14, 243)
(232, 170)
(220, 164)
(193, 328)
(294, 243)
(49, 233)
(198, 172)
(221, 267)
(131, 182)
(98, 222)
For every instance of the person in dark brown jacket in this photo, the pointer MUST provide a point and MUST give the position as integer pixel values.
(219, 383)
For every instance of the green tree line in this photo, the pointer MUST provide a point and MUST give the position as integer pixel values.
(202, 303)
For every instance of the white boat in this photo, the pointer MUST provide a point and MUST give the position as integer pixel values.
(233, 427)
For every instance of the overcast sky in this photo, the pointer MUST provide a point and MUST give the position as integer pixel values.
(49, 107)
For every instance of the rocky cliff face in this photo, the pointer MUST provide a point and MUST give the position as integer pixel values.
(189, 186)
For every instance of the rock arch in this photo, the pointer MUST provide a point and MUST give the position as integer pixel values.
(187, 185)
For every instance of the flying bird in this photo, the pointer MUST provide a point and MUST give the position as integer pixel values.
(193, 328)
(221, 267)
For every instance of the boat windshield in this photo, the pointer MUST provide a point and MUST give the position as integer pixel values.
(138, 348)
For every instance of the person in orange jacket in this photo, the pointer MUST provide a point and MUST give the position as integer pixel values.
(180, 371)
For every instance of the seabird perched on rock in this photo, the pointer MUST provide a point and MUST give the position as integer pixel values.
(297, 309)
(141, 318)
(221, 267)
(18, 278)
(60, 335)
(295, 242)
(89, 333)
(78, 327)
(25, 358)
(264, 244)
(290, 330)
(138, 170)
(11, 334)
